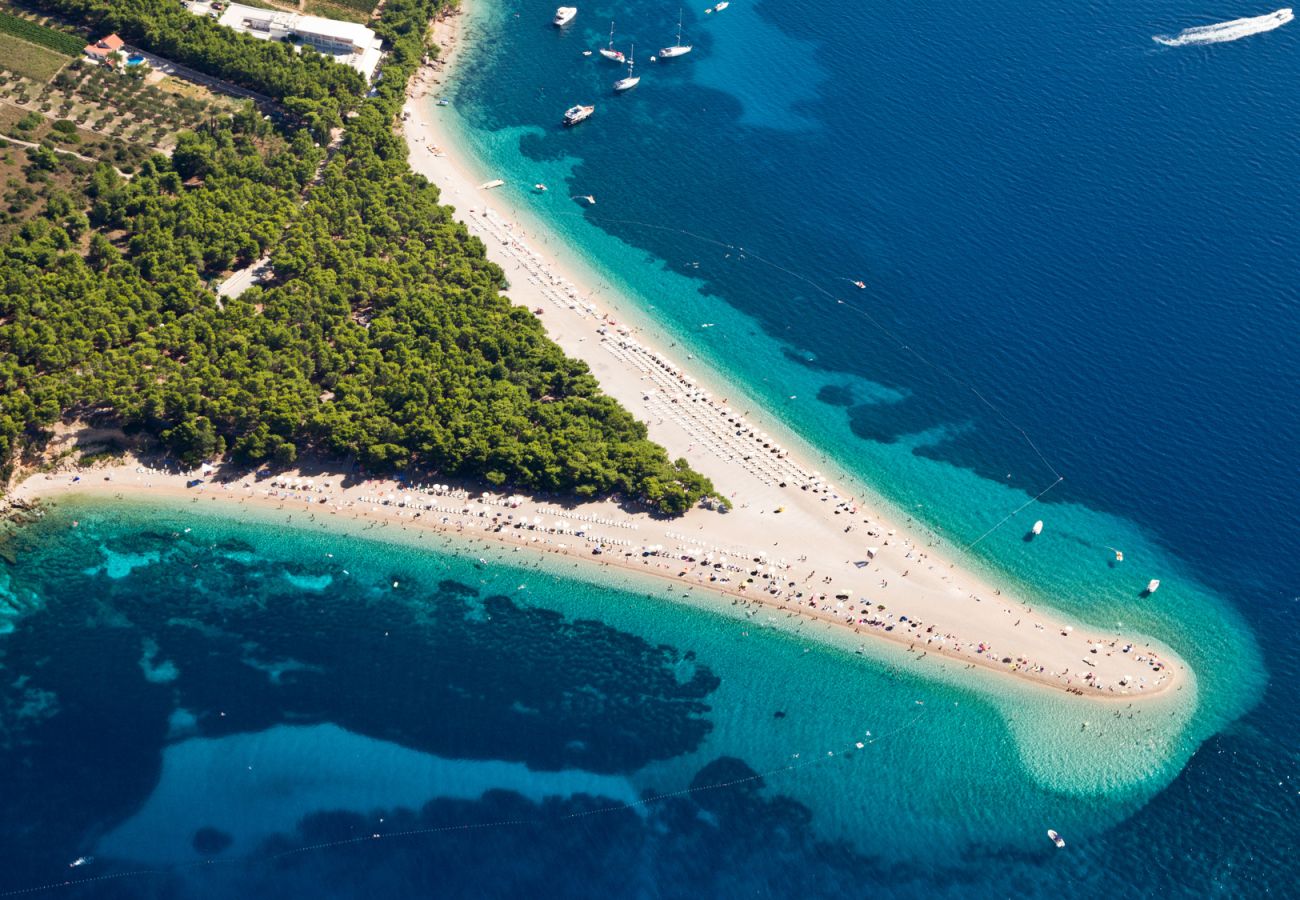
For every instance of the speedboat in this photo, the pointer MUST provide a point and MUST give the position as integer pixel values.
(575, 114)
(721, 6)
(608, 51)
(564, 15)
(1152, 586)
(1056, 838)
(677, 49)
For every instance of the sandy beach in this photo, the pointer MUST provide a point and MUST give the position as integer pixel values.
(793, 542)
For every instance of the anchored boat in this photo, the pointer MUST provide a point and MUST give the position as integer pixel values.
(678, 49)
(564, 15)
(631, 81)
(609, 52)
(575, 114)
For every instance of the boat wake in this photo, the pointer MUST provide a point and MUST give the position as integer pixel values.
(1220, 32)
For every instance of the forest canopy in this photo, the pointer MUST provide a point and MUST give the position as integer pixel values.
(383, 336)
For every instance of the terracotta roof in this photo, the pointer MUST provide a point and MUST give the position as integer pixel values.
(105, 46)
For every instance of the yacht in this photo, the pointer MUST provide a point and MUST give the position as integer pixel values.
(564, 15)
(575, 114)
(678, 49)
(631, 81)
(609, 52)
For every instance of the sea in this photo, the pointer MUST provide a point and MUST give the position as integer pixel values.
(1078, 304)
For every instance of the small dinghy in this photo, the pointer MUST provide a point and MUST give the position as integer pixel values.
(1038, 527)
(1056, 838)
(1152, 586)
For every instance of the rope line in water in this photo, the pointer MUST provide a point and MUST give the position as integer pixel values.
(1011, 515)
(866, 315)
(253, 858)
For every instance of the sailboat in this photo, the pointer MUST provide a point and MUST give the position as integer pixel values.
(678, 49)
(631, 81)
(609, 52)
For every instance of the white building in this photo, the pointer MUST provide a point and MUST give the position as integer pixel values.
(350, 43)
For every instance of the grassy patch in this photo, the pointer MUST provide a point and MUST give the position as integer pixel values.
(29, 60)
(58, 41)
(346, 10)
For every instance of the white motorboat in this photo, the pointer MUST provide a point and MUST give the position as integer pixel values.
(1038, 527)
(677, 49)
(609, 52)
(721, 6)
(1152, 586)
(631, 81)
(564, 15)
(575, 114)
(1056, 838)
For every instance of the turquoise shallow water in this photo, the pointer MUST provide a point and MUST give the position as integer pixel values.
(1091, 231)
(273, 693)
(970, 373)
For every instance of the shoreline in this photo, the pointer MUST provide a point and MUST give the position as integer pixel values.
(656, 390)
(792, 542)
(607, 535)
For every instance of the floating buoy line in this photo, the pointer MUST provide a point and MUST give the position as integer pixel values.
(862, 312)
(797, 761)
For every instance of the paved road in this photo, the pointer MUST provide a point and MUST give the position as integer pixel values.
(245, 278)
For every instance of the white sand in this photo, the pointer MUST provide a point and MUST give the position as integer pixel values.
(798, 534)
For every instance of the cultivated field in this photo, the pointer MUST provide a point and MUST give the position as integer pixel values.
(37, 63)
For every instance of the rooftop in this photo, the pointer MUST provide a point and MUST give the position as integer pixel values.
(104, 46)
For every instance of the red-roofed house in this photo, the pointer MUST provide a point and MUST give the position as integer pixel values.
(103, 48)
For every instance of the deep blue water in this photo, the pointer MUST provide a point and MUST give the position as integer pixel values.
(1092, 231)
(203, 703)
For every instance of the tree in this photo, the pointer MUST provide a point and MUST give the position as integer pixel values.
(194, 441)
